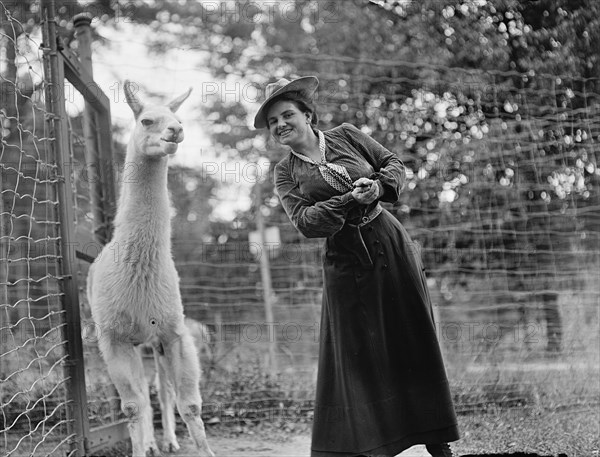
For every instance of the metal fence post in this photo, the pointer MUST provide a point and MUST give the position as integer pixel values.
(78, 425)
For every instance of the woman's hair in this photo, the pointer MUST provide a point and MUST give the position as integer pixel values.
(304, 105)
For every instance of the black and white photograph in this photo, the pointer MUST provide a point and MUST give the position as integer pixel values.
(299, 228)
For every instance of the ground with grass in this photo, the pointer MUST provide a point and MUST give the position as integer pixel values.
(574, 432)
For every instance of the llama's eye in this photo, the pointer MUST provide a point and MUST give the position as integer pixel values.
(147, 122)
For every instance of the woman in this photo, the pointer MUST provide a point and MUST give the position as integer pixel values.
(381, 385)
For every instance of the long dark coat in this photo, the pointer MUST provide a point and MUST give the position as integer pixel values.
(381, 385)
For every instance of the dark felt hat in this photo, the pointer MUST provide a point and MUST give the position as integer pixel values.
(306, 85)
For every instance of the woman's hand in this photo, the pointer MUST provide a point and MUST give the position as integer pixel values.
(365, 191)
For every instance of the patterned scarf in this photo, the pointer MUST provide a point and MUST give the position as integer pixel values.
(335, 175)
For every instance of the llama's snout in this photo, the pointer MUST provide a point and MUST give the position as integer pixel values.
(173, 134)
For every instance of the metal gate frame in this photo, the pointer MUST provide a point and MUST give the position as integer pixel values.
(61, 63)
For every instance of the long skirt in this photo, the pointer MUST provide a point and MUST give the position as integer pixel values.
(381, 384)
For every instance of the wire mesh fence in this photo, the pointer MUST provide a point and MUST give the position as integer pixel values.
(502, 194)
(32, 319)
(47, 217)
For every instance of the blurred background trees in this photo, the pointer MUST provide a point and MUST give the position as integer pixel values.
(492, 106)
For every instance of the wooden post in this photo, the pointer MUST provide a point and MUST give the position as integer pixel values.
(99, 167)
(83, 34)
(265, 274)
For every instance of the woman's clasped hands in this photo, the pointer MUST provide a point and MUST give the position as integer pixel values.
(365, 190)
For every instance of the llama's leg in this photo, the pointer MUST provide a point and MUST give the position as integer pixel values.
(126, 371)
(166, 397)
(182, 358)
(148, 416)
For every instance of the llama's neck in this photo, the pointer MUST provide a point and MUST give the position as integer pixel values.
(144, 208)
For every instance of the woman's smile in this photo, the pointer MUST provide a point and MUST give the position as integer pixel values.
(284, 133)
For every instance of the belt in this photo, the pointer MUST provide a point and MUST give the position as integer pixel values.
(376, 211)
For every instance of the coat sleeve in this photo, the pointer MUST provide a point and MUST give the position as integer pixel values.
(389, 169)
(312, 219)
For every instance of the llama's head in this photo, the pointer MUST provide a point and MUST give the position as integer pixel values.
(158, 130)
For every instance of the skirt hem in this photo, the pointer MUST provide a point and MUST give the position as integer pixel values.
(393, 448)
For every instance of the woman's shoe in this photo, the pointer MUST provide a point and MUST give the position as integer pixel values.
(439, 450)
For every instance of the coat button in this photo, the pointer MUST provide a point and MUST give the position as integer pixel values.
(376, 241)
(381, 252)
(384, 266)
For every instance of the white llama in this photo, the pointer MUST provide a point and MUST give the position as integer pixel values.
(133, 289)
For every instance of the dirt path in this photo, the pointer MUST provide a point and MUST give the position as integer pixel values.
(253, 446)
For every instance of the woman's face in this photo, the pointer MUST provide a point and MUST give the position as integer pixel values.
(288, 125)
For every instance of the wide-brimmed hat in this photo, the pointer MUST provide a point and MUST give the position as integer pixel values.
(305, 85)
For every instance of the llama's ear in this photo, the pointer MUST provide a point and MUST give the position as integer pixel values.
(175, 104)
(133, 101)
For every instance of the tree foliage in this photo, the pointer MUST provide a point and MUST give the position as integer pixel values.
(473, 95)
